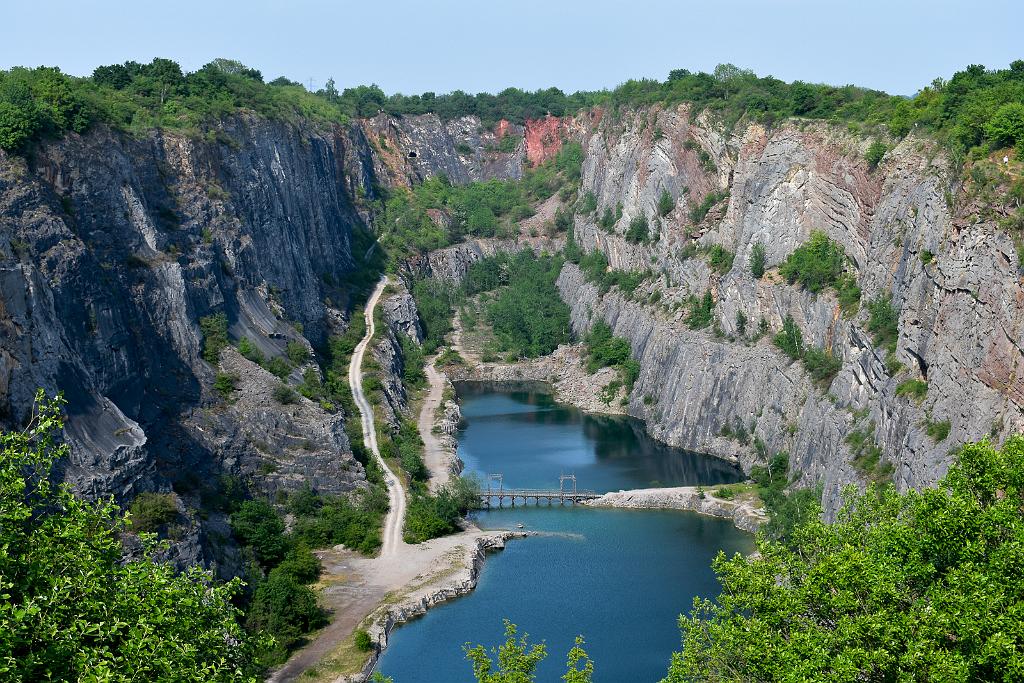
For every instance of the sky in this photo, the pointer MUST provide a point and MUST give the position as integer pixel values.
(441, 45)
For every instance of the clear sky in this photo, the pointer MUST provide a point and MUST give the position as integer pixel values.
(442, 45)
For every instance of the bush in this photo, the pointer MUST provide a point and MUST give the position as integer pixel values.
(433, 515)
(249, 351)
(301, 564)
(509, 143)
(361, 637)
(757, 261)
(914, 388)
(698, 212)
(287, 610)
(816, 264)
(353, 522)
(790, 340)
(701, 312)
(821, 365)
(882, 322)
(150, 511)
(215, 336)
(638, 230)
(875, 153)
(665, 203)
(225, 383)
(278, 366)
(256, 524)
(587, 204)
(848, 293)
(297, 352)
(285, 395)
(720, 259)
(938, 431)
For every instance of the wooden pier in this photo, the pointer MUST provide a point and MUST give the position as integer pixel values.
(562, 495)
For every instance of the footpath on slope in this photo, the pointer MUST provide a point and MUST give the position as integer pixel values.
(403, 581)
(392, 536)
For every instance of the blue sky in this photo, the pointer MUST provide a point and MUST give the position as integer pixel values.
(442, 45)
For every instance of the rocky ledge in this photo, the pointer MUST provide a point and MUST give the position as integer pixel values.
(744, 515)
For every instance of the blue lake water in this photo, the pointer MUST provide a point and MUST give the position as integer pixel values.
(618, 577)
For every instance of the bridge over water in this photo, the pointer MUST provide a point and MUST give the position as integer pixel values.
(565, 493)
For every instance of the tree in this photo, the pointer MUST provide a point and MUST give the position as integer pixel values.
(17, 126)
(816, 264)
(74, 609)
(638, 230)
(875, 153)
(256, 524)
(757, 260)
(920, 586)
(1006, 127)
(665, 203)
(518, 660)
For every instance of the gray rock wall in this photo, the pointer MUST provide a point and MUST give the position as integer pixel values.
(959, 316)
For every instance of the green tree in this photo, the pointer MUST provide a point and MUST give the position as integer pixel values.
(920, 586)
(875, 153)
(215, 335)
(757, 261)
(816, 264)
(790, 340)
(665, 203)
(74, 609)
(286, 609)
(518, 660)
(258, 525)
(639, 230)
(17, 126)
(1006, 127)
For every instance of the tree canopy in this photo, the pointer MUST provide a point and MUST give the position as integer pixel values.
(71, 607)
(977, 106)
(921, 586)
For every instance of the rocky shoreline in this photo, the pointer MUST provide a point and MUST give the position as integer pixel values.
(462, 582)
(744, 515)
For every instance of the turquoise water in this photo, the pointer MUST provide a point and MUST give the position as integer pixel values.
(618, 577)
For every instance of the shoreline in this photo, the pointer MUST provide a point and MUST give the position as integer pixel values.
(450, 566)
(386, 617)
(744, 515)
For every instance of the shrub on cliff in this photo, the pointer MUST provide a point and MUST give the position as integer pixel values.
(790, 340)
(816, 264)
(921, 584)
(150, 511)
(74, 608)
(639, 230)
(215, 336)
(665, 203)
(757, 261)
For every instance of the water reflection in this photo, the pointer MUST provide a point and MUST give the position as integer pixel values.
(521, 432)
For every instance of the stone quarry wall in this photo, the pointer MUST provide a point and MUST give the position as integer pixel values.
(960, 314)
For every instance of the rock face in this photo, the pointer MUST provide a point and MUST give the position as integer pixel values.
(413, 148)
(960, 311)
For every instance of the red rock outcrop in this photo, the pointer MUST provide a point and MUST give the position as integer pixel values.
(543, 138)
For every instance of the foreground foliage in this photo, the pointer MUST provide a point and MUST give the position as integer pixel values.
(518, 660)
(920, 586)
(72, 609)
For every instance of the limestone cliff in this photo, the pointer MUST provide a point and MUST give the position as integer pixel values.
(953, 277)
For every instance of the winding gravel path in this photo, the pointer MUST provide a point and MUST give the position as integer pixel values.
(392, 541)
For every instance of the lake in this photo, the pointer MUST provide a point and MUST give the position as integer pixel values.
(618, 577)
